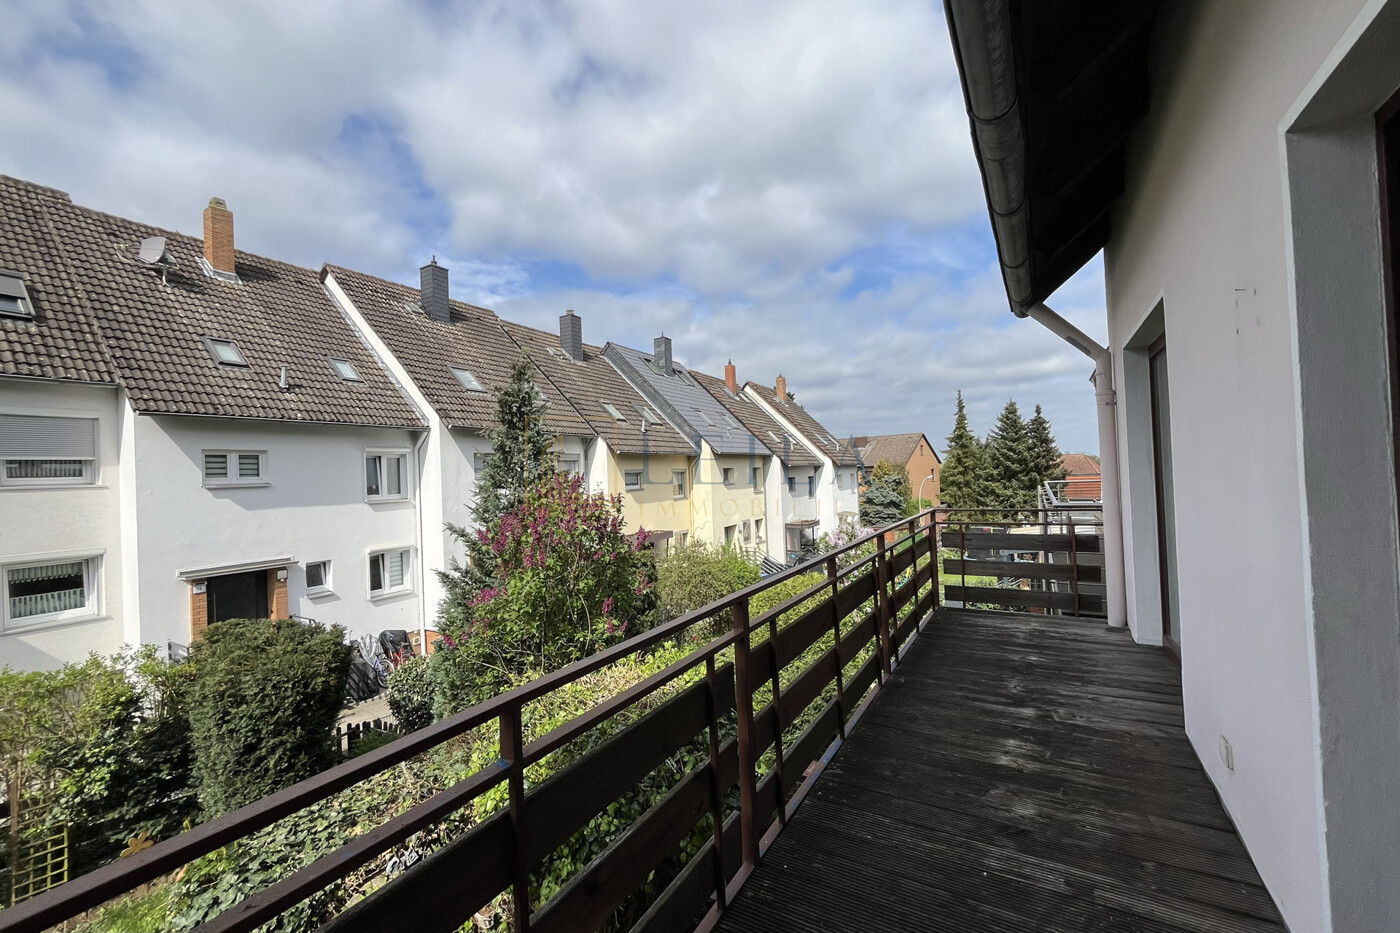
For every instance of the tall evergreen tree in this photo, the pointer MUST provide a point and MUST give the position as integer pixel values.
(960, 481)
(521, 456)
(1045, 453)
(1011, 466)
(886, 498)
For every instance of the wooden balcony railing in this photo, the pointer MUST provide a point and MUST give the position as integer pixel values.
(768, 699)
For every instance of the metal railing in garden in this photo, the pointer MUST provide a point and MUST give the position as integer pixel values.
(766, 697)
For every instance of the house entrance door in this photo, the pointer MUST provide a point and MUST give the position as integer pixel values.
(237, 596)
(1166, 509)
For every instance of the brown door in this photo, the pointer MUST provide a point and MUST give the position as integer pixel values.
(237, 596)
(1166, 499)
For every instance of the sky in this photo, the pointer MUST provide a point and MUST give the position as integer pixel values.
(789, 185)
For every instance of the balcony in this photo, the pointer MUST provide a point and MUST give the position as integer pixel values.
(863, 757)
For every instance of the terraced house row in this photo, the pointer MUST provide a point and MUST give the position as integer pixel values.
(189, 432)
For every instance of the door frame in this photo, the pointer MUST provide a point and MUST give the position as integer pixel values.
(1158, 348)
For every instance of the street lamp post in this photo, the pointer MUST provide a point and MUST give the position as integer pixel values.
(921, 488)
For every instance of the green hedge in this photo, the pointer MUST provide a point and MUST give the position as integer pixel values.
(411, 694)
(263, 707)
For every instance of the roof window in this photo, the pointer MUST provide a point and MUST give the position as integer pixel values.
(345, 370)
(648, 416)
(468, 381)
(612, 410)
(14, 297)
(225, 352)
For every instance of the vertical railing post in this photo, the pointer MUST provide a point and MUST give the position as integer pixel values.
(933, 544)
(831, 571)
(748, 758)
(513, 751)
(882, 603)
(1073, 561)
(777, 707)
(716, 798)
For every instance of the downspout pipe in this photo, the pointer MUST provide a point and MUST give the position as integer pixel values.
(1106, 398)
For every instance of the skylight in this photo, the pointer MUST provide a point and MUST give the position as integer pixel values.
(225, 352)
(345, 370)
(705, 417)
(14, 297)
(729, 420)
(467, 380)
(612, 410)
(648, 416)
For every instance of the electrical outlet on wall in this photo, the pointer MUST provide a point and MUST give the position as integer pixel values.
(1227, 753)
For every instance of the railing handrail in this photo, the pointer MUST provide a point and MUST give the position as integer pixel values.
(97, 887)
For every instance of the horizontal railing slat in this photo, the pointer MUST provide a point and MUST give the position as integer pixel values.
(809, 746)
(1030, 570)
(987, 540)
(1009, 597)
(798, 636)
(799, 694)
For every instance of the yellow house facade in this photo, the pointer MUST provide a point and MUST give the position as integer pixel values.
(729, 503)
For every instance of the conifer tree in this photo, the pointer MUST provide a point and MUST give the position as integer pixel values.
(1010, 462)
(1045, 453)
(886, 498)
(960, 480)
(521, 455)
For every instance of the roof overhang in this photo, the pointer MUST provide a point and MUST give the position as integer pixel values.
(1053, 92)
(220, 570)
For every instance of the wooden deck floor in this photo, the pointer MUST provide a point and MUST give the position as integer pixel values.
(1019, 773)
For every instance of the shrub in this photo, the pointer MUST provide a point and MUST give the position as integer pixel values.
(696, 574)
(263, 706)
(571, 584)
(112, 736)
(411, 694)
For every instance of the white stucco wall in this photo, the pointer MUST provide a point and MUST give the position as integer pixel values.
(313, 508)
(66, 521)
(1202, 233)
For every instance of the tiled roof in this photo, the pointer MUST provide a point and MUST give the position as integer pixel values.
(838, 449)
(428, 350)
(759, 423)
(680, 398)
(61, 342)
(1079, 465)
(897, 448)
(154, 331)
(588, 384)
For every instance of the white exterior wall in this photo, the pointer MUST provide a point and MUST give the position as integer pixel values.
(847, 501)
(66, 521)
(313, 508)
(1203, 235)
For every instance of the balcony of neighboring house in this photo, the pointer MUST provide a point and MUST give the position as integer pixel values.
(859, 753)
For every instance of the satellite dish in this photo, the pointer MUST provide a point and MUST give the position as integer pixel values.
(153, 250)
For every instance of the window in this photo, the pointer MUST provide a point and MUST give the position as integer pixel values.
(386, 475)
(225, 352)
(811, 486)
(756, 478)
(345, 370)
(632, 479)
(479, 462)
(678, 484)
(728, 474)
(389, 572)
(44, 451)
(567, 465)
(468, 381)
(792, 484)
(14, 297)
(680, 538)
(318, 577)
(844, 479)
(59, 591)
(234, 468)
(649, 417)
(758, 529)
(729, 534)
(704, 417)
(748, 531)
(729, 420)
(612, 411)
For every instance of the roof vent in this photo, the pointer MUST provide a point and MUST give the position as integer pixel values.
(571, 335)
(433, 292)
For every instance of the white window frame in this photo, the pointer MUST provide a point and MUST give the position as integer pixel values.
(239, 360)
(726, 475)
(89, 476)
(569, 464)
(325, 586)
(627, 479)
(387, 590)
(731, 533)
(384, 454)
(678, 484)
(467, 378)
(613, 411)
(19, 293)
(231, 479)
(92, 585)
(344, 368)
(811, 485)
(756, 478)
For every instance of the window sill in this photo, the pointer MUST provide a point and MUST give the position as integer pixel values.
(389, 594)
(31, 487)
(677, 498)
(388, 500)
(11, 628)
(257, 485)
(320, 593)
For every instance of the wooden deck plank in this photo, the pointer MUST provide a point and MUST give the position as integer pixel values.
(1018, 772)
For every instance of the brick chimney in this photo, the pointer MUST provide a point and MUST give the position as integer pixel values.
(218, 236)
(432, 295)
(731, 380)
(780, 389)
(571, 335)
(661, 354)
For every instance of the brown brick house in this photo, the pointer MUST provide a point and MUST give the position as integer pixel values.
(912, 450)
